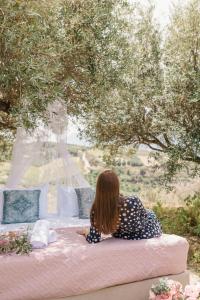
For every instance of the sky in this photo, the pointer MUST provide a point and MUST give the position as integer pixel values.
(162, 11)
(163, 8)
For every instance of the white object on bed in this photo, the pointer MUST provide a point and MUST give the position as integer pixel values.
(43, 200)
(52, 236)
(67, 201)
(40, 234)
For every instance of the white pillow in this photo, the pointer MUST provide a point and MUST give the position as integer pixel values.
(43, 212)
(43, 207)
(67, 201)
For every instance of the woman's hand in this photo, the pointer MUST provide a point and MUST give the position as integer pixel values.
(83, 231)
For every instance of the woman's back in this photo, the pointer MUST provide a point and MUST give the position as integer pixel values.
(134, 222)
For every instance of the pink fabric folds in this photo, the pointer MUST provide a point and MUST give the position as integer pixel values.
(71, 266)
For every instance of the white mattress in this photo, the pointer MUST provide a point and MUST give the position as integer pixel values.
(55, 222)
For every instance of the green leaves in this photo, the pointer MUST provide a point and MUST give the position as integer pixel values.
(157, 101)
(96, 51)
(29, 61)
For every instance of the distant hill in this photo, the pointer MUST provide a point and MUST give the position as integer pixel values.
(139, 174)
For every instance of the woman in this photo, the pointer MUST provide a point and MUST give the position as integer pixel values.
(123, 217)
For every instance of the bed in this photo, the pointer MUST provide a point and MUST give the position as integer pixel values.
(72, 269)
(131, 291)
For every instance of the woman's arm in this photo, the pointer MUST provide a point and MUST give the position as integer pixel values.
(93, 236)
(83, 231)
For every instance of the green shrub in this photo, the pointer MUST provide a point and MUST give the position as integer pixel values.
(73, 152)
(181, 220)
(196, 257)
(5, 151)
(136, 162)
(142, 172)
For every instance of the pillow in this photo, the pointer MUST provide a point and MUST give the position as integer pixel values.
(85, 199)
(20, 206)
(67, 202)
(43, 200)
(43, 212)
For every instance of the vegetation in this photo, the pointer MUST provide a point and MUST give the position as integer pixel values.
(29, 62)
(96, 51)
(65, 50)
(184, 221)
(138, 175)
(160, 103)
(5, 150)
(15, 242)
(103, 59)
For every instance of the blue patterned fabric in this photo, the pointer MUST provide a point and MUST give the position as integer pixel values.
(85, 199)
(20, 206)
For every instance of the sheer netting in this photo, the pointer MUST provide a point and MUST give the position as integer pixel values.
(41, 157)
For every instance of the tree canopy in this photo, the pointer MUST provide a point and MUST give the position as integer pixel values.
(159, 105)
(29, 62)
(69, 50)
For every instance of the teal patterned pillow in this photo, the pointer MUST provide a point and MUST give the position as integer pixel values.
(85, 199)
(20, 206)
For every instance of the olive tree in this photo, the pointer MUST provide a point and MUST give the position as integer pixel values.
(29, 62)
(67, 50)
(160, 103)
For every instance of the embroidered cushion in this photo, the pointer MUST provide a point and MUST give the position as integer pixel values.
(85, 199)
(20, 206)
(43, 201)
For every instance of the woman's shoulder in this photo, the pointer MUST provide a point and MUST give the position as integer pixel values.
(131, 200)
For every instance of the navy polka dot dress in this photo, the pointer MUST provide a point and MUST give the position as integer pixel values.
(135, 222)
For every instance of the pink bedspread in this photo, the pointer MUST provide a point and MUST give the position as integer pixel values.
(71, 266)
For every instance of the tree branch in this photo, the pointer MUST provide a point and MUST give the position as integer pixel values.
(166, 139)
(195, 159)
(153, 148)
(4, 106)
(159, 143)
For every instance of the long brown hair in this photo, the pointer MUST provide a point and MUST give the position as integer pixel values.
(105, 209)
